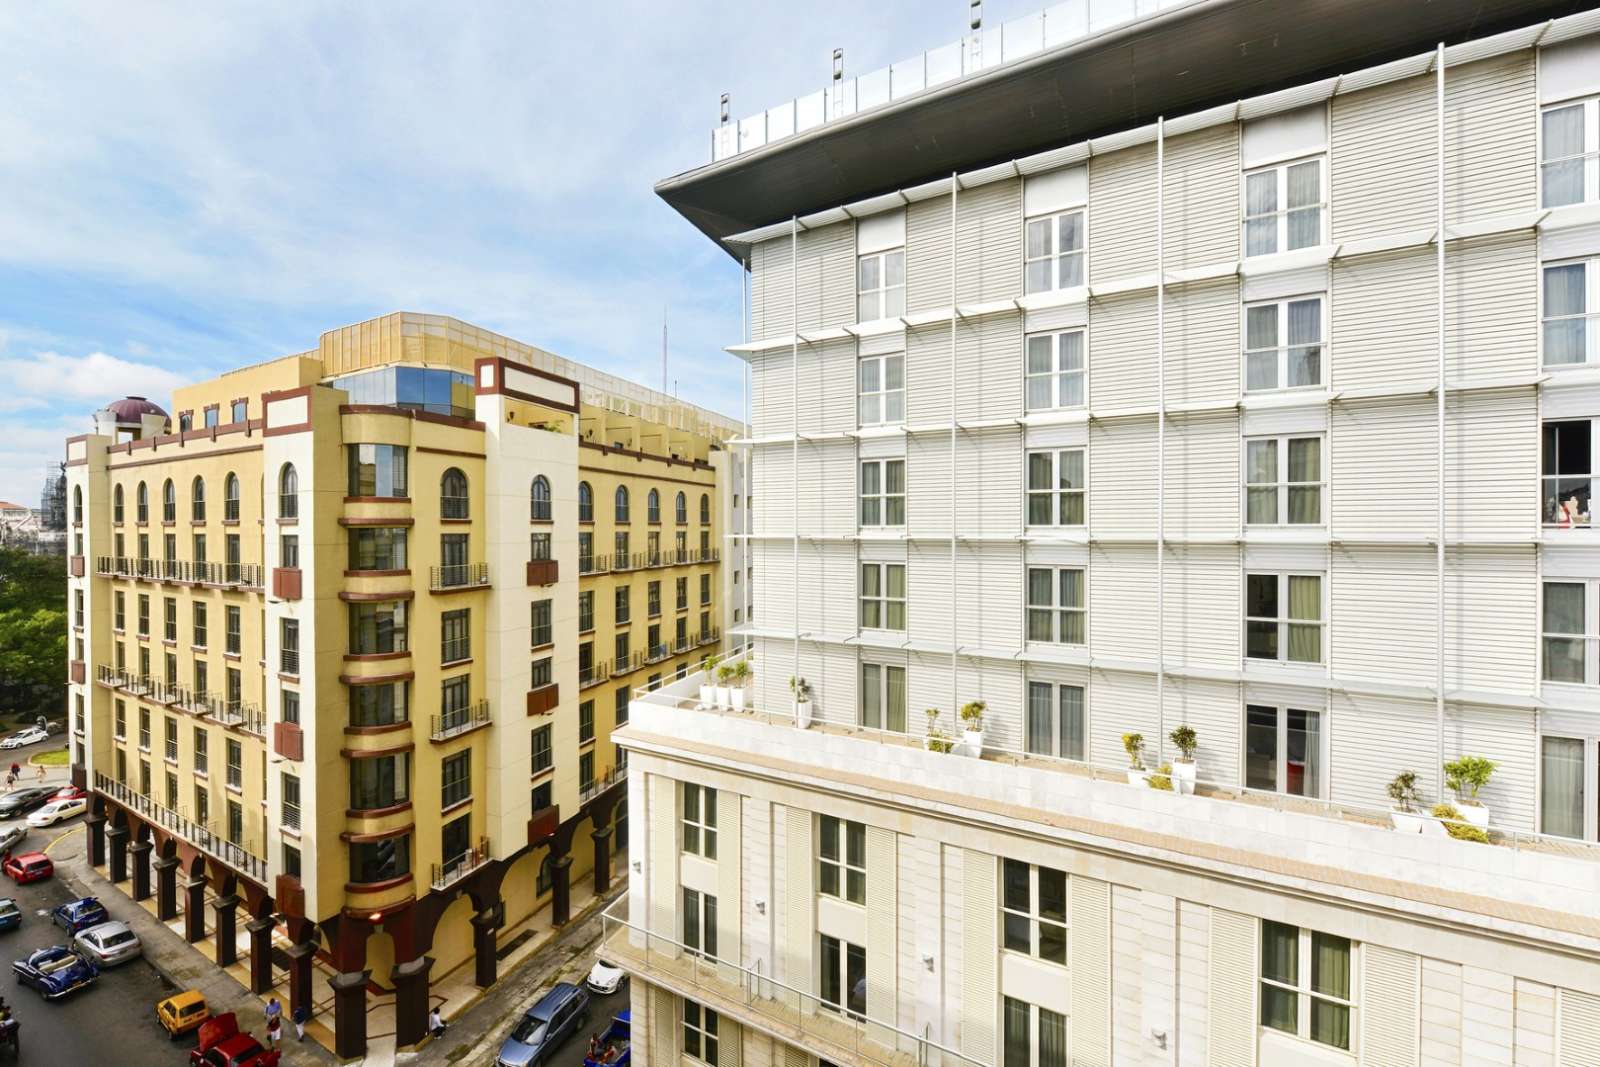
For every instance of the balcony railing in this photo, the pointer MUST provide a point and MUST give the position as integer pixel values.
(624, 664)
(446, 874)
(244, 715)
(459, 720)
(458, 576)
(636, 561)
(594, 674)
(187, 572)
(455, 507)
(708, 637)
(202, 836)
(657, 653)
(594, 564)
(612, 776)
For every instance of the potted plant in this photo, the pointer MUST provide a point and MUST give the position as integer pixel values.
(1183, 768)
(1133, 745)
(724, 676)
(1403, 791)
(1466, 775)
(972, 727)
(1450, 817)
(1162, 779)
(708, 690)
(937, 740)
(741, 677)
(802, 701)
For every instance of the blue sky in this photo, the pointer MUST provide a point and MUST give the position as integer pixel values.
(191, 188)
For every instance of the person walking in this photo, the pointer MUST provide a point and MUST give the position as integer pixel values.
(302, 1015)
(274, 1011)
(274, 1029)
(41, 774)
(435, 1022)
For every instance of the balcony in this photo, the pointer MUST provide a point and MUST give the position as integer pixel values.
(457, 721)
(594, 564)
(244, 715)
(458, 576)
(657, 653)
(708, 637)
(625, 664)
(455, 507)
(201, 836)
(613, 776)
(594, 674)
(544, 571)
(181, 572)
(447, 874)
(544, 699)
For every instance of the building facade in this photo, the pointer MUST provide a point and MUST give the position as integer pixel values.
(1261, 433)
(337, 590)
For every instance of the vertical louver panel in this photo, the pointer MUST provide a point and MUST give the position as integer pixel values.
(883, 896)
(989, 467)
(1491, 608)
(830, 387)
(1578, 1031)
(1440, 1045)
(730, 870)
(1202, 477)
(800, 905)
(1491, 155)
(826, 264)
(771, 289)
(1119, 702)
(663, 870)
(1502, 735)
(1089, 950)
(1201, 197)
(928, 375)
(1381, 455)
(980, 999)
(1384, 159)
(1122, 226)
(1535, 1026)
(1212, 708)
(794, 1057)
(1122, 478)
(989, 367)
(1371, 737)
(928, 502)
(1385, 328)
(1202, 342)
(1128, 964)
(755, 854)
(1234, 959)
(1390, 992)
(1386, 602)
(1122, 601)
(664, 1039)
(989, 589)
(1122, 347)
(989, 242)
(1491, 457)
(928, 254)
(1202, 587)
(1492, 306)
(772, 393)
(1194, 964)
(730, 1043)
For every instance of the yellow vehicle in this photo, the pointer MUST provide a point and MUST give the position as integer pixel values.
(182, 1012)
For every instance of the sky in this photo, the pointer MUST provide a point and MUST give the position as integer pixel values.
(185, 189)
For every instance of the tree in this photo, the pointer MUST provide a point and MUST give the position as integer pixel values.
(33, 632)
(28, 581)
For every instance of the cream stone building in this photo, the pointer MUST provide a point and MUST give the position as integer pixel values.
(420, 566)
(1215, 382)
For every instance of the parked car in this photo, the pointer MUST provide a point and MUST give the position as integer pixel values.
(604, 979)
(614, 1047)
(12, 836)
(109, 943)
(55, 971)
(56, 726)
(31, 736)
(78, 915)
(10, 914)
(223, 1044)
(70, 792)
(28, 867)
(21, 801)
(182, 1012)
(58, 811)
(555, 1017)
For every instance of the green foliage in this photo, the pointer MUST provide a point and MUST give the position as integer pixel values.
(938, 740)
(1133, 745)
(800, 688)
(1184, 740)
(741, 672)
(1162, 779)
(32, 582)
(1403, 789)
(724, 673)
(1468, 774)
(972, 714)
(33, 632)
(1457, 829)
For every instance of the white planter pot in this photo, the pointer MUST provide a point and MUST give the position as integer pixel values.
(1406, 822)
(1183, 775)
(737, 693)
(802, 714)
(1138, 777)
(1476, 814)
(972, 742)
(722, 696)
(1432, 827)
(708, 693)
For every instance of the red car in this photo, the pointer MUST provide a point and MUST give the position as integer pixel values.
(28, 867)
(69, 792)
(222, 1044)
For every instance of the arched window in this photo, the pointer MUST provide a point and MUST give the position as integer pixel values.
(585, 502)
(680, 509)
(77, 504)
(230, 498)
(622, 503)
(705, 509)
(141, 503)
(169, 502)
(652, 507)
(116, 504)
(197, 498)
(288, 493)
(546, 881)
(453, 495)
(539, 499)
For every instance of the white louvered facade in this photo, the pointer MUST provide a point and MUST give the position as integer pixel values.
(1180, 436)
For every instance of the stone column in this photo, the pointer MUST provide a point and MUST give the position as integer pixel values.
(300, 977)
(411, 1001)
(118, 836)
(260, 954)
(194, 909)
(602, 860)
(227, 930)
(350, 1014)
(97, 840)
(141, 869)
(484, 948)
(560, 890)
(167, 888)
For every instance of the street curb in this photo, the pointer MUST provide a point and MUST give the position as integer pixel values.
(74, 878)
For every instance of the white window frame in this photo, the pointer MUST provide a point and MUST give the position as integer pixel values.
(881, 500)
(880, 689)
(702, 907)
(1053, 494)
(1059, 378)
(1280, 759)
(845, 991)
(1282, 346)
(1304, 994)
(1591, 149)
(1056, 607)
(1034, 1012)
(883, 601)
(1052, 257)
(1284, 622)
(1590, 637)
(703, 1025)
(850, 876)
(1056, 745)
(1588, 782)
(1032, 916)
(698, 835)
(1281, 485)
(883, 400)
(1545, 513)
(1282, 211)
(1590, 316)
(887, 300)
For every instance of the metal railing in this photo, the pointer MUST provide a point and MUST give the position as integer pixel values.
(612, 776)
(594, 675)
(201, 835)
(708, 637)
(458, 720)
(290, 817)
(288, 505)
(185, 572)
(458, 576)
(452, 871)
(240, 713)
(657, 653)
(289, 661)
(624, 664)
(455, 507)
(455, 649)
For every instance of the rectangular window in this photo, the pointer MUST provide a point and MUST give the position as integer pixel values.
(621, 708)
(235, 764)
(380, 861)
(291, 861)
(1572, 313)
(1283, 481)
(240, 410)
(1055, 487)
(1283, 345)
(1305, 984)
(1056, 725)
(586, 611)
(202, 751)
(1571, 632)
(202, 804)
(199, 548)
(883, 596)
(1283, 208)
(881, 285)
(1568, 465)
(144, 615)
(619, 550)
(1057, 372)
(699, 827)
(542, 757)
(705, 589)
(1054, 253)
(700, 923)
(1033, 911)
(235, 822)
(682, 589)
(289, 705)
(585, 771)
(883, 492)
(289, 646)
(376, 470)
(169, 618)
(289, 550)
(652, 599)
(231, 636)
(620, 646)
(842, 859)
(455, 775)
(455, 702)
(883, 697)
(290, 795)
(1283, 617)
(378, 628)
(622, 604)
(382, 704)
(1056, 611)
(844, 977)
(144, 729)
(1034, 1036)
(585, 722)
(699, 1033)
(882, 392)
(1570, 167)
(119, 606)
(539, 546)
(1562, 787)
(1283, 750)
(541, 674)
(380, 781)
(199, 623)
(171, 740)
(543, 796)
(540, 631)
(378, 548)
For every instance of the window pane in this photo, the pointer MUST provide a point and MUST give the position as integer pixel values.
(1563, 137)
(1039, 740)
(1330, 965)
(1072, 722)
(1330, 1023)
(897, 580)
(1261, 326)
(1305, 184)
(894, 372)
(1261, 748)
(1261, 505)
(1564, 293)
(870, 381)
(1261, 596)
(1052, 895)
(1072, 589)
(1039, 240)
(1070, 351)
(894, 268)
(1561, 801)
(1038, 276)
(1039, 473)
(1280, 952)
(1016, 1034)
(1070, 470)
(1014, 885)
(1303, 755)
(1039, 353)
(1053, 943)
(1261, 370)
(1305, 463)
(1039, 585)
(871, 274)
(1261, 193)
(1261, 236)
(895, 476)
(1052, 1039)
(1017, 932)
(1563, 607)
(1305, 227)
(1279, 1008)
(895, 687)
(1305, 597)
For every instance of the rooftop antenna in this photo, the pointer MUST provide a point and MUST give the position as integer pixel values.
(663, 348)
(976, 12)
(724, 109)
(838, 66)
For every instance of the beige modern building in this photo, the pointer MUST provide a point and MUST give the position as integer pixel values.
(1225, 377)
(420, 566)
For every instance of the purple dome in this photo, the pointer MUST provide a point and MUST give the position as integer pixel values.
(131, 409)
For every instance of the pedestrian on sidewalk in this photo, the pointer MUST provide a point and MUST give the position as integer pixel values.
(435, 1022)
(41, 773)
(274, 1010)
(302, 1015)
(274, 1027)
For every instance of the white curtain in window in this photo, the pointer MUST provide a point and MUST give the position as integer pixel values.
(1562, 800)
(1039, 698)
(1564, 295)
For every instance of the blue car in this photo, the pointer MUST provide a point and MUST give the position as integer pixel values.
(55, 971)
(10, 914)
(78, 915)
(556, 1016)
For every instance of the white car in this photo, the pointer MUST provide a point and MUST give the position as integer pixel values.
(57, 810)
(12, 836)
(604, 978)
(108, 943)
(31, 736)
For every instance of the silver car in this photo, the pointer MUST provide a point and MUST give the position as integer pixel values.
(108, 943)
(12, 836)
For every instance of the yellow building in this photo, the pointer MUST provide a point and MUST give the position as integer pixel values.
(420, 566)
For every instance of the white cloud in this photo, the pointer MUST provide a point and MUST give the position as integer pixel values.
(96, 377)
